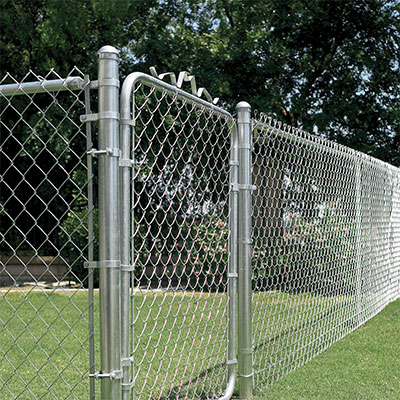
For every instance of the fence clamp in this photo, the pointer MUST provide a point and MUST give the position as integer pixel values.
(111, 375)
(128, 386)
(126, 162)
(127, 362)
(127, 268)
(105, 264)
(237, 186)
(102, 115)
(104, 82)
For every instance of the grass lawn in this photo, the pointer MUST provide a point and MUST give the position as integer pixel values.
(44, 346)
(365, 365)
(180, 344)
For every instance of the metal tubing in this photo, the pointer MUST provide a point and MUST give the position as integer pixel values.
(127, 248)
(126, 134)
(134, 77)
(109, 247)
(245, 357)
(56, 85)
(231, 385)
(89, 147)
(125, 185)
(232, 264)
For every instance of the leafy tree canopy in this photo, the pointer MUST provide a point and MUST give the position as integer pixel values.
(330, 67)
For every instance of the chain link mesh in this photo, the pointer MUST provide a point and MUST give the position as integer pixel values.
(180, 211)
(326, 244)
(44, 311)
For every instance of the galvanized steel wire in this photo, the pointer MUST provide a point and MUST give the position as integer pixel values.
(180, 214)
(325, 244)
(45, 180)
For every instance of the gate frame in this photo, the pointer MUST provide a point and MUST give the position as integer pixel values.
(127, 220)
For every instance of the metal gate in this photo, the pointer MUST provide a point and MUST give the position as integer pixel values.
(147, 214)
(179, 157)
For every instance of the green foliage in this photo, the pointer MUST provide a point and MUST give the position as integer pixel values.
(311, 255)
(327, 66)
(42, 148)
(205, 256)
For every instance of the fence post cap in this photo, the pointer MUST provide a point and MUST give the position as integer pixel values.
(243, 104)
(108, 50)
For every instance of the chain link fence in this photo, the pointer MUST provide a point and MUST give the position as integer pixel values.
(180, 213)
(44, 231)
(214, 238)
(325, 248)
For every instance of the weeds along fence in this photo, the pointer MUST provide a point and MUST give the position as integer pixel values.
(165, 249)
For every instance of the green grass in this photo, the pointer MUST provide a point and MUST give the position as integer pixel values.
(44, 346)
(365, 365)
(180, 344)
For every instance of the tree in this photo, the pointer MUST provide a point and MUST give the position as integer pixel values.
(330, 67)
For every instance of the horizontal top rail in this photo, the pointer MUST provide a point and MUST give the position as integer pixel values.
(300, 137)
(133, 78)
(43, 86)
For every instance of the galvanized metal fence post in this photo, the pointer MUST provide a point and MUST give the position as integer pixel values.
(126, 246)
(232, 264)
(359, 255)
(245, 350)
(109, 229)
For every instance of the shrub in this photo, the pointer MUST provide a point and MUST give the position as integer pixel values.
(204, 254)
(75, 243)
(311, 254)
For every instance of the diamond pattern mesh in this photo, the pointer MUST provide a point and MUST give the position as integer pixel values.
(44, 243)
(326, 244)
(180, 246)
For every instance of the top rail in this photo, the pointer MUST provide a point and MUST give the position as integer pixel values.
(303, 138)
(43, 86)
(133, 78)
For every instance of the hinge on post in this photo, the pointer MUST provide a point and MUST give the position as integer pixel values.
(127, 268)
(105, 264)
(127, 362)
(104, 82)
(126, 162)
(130, 122)
(128, 386)
(111, 152)
(117, 374)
